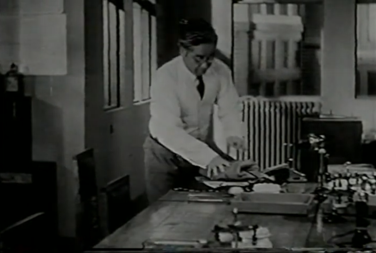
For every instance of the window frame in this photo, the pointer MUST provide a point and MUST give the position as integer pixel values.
(118, 84)
(139, 86)
(303, 97)
(366, 43)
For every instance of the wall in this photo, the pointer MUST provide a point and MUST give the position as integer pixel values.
(61, 129)
(9, 29)
(58, 107)
(58, 112)
(65, 122)
(338, 64)
(121, 152)
(58, 121)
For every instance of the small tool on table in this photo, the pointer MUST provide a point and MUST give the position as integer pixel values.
(254, 237)
(176, 244)
(235, 213)
(236, 236)
(209, 197)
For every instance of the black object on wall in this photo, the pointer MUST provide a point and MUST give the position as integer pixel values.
(28, 235)
(88, 231)
(369, 153)
(27, 192)
(16, 140)
(118, 205)
(343, 141)
(44, 180)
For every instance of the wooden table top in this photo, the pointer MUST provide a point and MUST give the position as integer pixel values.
(171, 219)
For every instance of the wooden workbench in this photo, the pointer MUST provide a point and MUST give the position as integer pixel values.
(171, 218)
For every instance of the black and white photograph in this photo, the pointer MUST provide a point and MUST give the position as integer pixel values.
(188, 126)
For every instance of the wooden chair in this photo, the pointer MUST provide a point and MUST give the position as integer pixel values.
(88, 223)
(117, 204)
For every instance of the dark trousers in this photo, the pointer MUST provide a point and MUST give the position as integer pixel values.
(165, 170)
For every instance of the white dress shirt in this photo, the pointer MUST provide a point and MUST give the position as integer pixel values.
(181, 120)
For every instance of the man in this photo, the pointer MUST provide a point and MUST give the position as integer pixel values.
(183, 93)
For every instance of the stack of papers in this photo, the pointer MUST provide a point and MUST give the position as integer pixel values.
(267, 188)
(218, 184)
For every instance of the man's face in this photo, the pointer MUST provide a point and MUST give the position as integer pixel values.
(199, 58)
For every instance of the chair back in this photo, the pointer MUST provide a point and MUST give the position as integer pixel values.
(117, 203)
(88, 223)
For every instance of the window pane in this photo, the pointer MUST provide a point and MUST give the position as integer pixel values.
(372, 18)
(285, 50)
(292, 9)
(146, 53)
(366, 49)
(283, 88)
(270, 9)
(276, 48)
(270, 54)
(122, 54)
(154, 55)
(114, 67)
(255, 9)
(106, 55)
(283, 9)
(137, 53)
(113, 22)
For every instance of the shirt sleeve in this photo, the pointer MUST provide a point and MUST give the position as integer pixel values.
(229, 108)
(167, 127)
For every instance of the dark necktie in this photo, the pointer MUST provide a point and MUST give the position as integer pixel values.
(201, 86)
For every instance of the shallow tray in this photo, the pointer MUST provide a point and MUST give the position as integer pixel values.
(274, 203)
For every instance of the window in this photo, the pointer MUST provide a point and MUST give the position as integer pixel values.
(145, 48)
(366, 50)
(113, 52)
(278, 54)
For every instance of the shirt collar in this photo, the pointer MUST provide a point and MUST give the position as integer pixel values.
(188, 74)
(185, 71)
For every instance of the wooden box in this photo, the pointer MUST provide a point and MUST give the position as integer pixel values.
(275, 203)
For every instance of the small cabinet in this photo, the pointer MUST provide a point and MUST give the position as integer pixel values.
(16, 131)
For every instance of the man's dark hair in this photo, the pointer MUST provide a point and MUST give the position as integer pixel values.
(194, 32)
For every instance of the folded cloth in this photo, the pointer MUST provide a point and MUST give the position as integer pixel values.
(237, 171)
(260, 244)
(267, 188)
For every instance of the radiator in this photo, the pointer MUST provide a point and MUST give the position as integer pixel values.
(267, 126)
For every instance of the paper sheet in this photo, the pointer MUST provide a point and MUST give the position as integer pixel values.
(217, 184)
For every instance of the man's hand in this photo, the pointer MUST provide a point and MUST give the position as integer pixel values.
(217, 166)
(236, 142)
(238, 170)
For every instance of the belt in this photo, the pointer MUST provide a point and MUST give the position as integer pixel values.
(154, 139)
